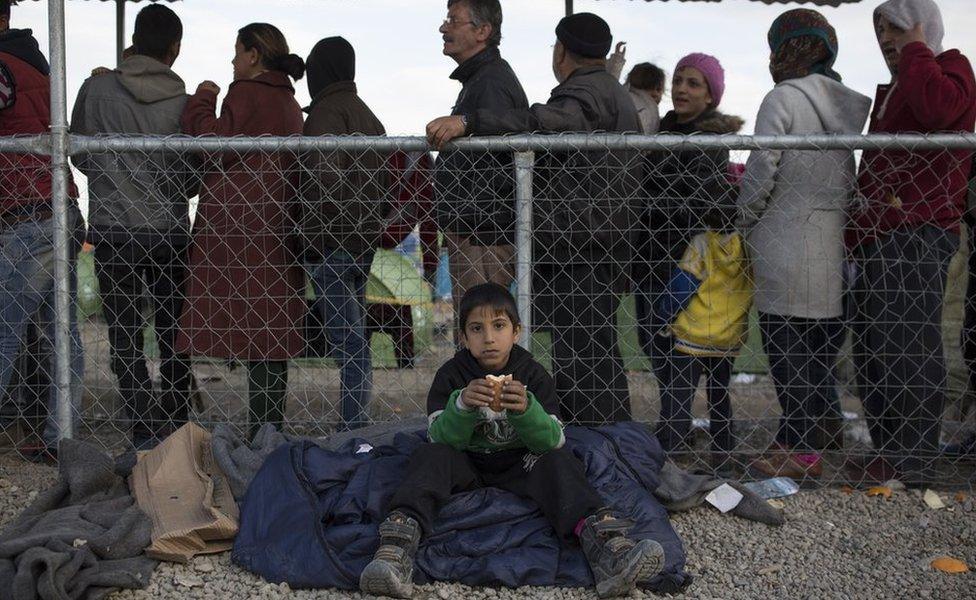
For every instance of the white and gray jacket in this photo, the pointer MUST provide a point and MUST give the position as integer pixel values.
(793, 203)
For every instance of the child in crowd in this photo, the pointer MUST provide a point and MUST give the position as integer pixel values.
(516, 447)
(645, 83)
(706, 308)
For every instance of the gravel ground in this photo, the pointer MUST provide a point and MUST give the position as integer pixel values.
(834, 545)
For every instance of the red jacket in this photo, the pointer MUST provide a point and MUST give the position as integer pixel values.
(245, 295)
(413, 201)
(932, 94)
(25, 179)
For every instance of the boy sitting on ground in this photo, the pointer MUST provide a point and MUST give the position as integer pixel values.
(518, 447)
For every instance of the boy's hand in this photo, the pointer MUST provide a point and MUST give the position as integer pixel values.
(514, 397)
(478, 393)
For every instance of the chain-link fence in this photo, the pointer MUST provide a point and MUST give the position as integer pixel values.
(753, 299)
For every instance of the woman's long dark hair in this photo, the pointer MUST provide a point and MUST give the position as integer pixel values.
(271, 45)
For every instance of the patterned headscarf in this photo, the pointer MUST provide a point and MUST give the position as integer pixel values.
(802, 42)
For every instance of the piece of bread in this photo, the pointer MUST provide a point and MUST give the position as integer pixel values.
(497, 383)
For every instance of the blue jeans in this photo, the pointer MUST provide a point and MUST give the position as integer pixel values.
(339, 281)
(27, 297)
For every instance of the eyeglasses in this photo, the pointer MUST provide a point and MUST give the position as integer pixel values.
(452, 22)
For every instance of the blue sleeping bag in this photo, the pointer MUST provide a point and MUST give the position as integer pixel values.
(310, 516)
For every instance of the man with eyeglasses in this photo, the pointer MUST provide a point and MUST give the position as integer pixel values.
(584, 208)
(475, 191)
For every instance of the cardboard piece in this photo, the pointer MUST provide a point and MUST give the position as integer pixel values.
(183, 491)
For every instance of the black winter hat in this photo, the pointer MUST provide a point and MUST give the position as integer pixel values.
(585, 34)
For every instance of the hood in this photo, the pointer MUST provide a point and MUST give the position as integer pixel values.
(721, 123)
(21, 43)
(841, 109)
(906, 13)
(149, 80)
(331, 60)
(711, 121)
(472, 370)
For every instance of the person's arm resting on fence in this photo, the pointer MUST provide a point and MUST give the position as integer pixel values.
(8, 88)
(567, 111)
(774, 118)
(939, 90)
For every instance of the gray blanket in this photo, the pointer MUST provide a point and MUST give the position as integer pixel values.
(680, 490)
(83, 538)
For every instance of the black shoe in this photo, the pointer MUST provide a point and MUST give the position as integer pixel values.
(618, 562)
(390, 573)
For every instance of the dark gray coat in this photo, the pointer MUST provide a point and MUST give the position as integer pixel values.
(344, 194)
(135, 194)
(475, 191)
(585, 203)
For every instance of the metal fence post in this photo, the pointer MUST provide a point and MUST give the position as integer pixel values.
(524, 162)
(59, 196)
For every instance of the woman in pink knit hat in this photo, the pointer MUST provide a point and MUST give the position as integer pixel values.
(686, 191)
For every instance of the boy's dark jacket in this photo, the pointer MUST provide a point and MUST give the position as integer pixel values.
(538, 429)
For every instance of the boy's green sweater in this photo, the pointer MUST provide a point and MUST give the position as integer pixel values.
(538, 429)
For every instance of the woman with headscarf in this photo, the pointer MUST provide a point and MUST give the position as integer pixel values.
(792, 209)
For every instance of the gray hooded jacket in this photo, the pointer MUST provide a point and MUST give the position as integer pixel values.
(135, 195)
(793, 203)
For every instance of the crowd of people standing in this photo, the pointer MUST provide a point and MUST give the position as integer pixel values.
(818, 243)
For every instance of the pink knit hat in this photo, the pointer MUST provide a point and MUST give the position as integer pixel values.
(711, 69)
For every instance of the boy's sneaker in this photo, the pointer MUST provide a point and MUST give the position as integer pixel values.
(617, 561)
(390, 573)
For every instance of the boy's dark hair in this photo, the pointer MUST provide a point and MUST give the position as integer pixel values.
(645, 76)
(484, 11)
(157, 29)
(4, 8)
(492, 295)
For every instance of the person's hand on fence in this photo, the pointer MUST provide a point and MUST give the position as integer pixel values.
(514, 397)
(915, 34)
(208, 86)
(478, 393)
(444, 129)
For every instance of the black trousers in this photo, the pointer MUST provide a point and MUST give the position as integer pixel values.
(678, 375)
(802, 353)
(578, 304)
(124, 271)
(968, 333)
(898, 334)
(556, 481)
